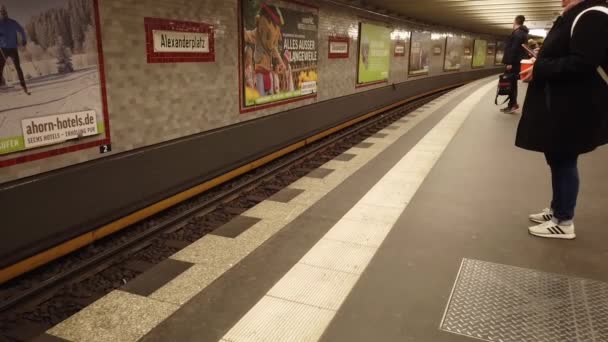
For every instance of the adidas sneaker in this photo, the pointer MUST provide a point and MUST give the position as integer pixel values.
(553, 230)
(542, 217)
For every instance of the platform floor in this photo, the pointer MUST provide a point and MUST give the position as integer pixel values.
(418, 234)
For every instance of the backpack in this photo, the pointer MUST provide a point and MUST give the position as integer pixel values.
(600, 69)
(505, 86)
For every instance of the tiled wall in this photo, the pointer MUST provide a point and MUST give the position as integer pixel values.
(155, 103)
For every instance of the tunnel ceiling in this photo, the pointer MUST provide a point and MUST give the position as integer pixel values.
(483, 16)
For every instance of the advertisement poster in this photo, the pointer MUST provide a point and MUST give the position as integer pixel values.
(453, 54)
(374, 53)
(280, 51)
(480, 53)
(500, 53)
(491, 49)
(50, 85)
(420, 51)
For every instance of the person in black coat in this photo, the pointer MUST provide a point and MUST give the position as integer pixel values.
(566, 108)
(514, 53)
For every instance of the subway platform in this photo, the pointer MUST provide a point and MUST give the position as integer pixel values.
(417, 234)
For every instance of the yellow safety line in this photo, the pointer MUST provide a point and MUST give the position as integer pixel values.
(35, 261)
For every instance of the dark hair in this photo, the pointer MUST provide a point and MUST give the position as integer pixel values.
(520, 19)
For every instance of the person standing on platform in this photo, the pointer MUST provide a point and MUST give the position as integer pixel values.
(9, 45)
(565, 113)
(514, 53)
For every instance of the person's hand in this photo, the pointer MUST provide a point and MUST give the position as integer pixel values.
(281, 68)
(527, 75)
(509, 67)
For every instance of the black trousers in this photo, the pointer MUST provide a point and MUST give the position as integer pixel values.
(513, 97)
(13, 54)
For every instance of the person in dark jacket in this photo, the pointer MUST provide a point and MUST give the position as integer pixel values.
(566, 108)
(9, 45)
(514, 53)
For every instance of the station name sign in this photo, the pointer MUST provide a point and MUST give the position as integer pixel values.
(172, 41)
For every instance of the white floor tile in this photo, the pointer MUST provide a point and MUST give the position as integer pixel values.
(278, 320)
(339, 256)
(315, 286)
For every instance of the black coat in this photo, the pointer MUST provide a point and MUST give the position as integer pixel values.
(514, 53)
(566, 107)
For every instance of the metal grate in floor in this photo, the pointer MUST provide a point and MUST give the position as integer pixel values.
(494, 302)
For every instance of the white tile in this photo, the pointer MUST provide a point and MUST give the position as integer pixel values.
(212, 250)
(310, 197)
(363, 233)
(315, 286)
(276, 210)
(119, 316)
(188, 284)
(335, 164)
(259, 233)
(278, 320)
(369, 213)
(394, 193)
(339, 256)
(307, 183)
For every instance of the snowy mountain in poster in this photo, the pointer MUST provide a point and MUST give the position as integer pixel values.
(54, 45)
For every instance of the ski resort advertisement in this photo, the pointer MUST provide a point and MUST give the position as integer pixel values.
(280, 51)
(50, 85)
(374, 53)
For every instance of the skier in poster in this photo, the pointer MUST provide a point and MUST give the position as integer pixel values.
(9, 45)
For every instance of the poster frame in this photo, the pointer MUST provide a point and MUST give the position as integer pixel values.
(104, 102)
(496, 63)
(242, 108)
(473, 55)
(367, 84)
(409, 60)
(445, 57)
(492, 44)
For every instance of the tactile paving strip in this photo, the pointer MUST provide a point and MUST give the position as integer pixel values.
(494, 302)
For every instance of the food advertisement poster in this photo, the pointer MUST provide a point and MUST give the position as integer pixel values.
(280, 51)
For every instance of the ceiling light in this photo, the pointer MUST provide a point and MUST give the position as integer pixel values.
(539, 32)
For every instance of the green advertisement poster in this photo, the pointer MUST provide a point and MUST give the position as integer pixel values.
(374, 53)
(280, 51)
(480, 53)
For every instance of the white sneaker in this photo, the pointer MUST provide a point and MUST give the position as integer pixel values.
(553, 230)
(542, 217)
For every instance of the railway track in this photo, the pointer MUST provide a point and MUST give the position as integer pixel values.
(33, 303)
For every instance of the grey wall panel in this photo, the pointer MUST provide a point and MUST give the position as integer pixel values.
(45, 210)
